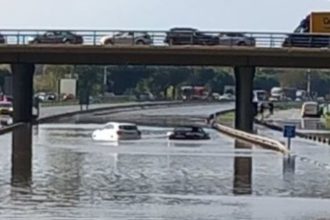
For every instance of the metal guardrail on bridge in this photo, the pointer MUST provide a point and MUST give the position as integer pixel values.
(170, 38)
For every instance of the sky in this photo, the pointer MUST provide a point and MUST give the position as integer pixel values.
(213, 15)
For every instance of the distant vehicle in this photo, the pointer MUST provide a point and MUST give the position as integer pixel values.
(188, 133)
(194, 93)
(2, 39)
(215, 96)
(6, 113)
(57, 37)
(236, 39)
(6, 107)
(283, 94)
(128, 38)
(227, 97)
(301, 95)
(117, 131)
(43, 96)
(67, 97)
(260, 95)
(276, 94)
(311, 110)
(146, 96)
(190, 36)
(313, 31)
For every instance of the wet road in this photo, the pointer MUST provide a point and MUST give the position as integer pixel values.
(76, 178)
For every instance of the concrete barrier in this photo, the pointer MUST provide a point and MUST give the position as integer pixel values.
(252, 138)
(315, 138)
(10, 128)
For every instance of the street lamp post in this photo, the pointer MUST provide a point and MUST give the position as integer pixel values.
(105, 79)
(309, 83)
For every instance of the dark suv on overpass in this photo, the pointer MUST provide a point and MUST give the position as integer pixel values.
(57, 37)
(190, 36)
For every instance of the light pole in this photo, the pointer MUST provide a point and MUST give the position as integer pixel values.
(309, 83)
(105, 79)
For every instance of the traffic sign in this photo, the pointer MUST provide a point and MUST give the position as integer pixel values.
(289, 131)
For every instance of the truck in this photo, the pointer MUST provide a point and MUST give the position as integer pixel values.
(194, 93)
(282, 94)
(313, 32)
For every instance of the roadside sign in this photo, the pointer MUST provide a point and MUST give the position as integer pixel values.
(289, 131)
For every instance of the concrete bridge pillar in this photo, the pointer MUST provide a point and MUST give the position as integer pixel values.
(22, 136)
(22, 92)
(244, 97)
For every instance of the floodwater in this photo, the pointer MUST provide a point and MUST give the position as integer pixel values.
(152, 179)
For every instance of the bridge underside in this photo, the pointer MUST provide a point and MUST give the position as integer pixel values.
(178, 55)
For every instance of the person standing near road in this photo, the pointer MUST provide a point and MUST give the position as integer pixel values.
(262, 108)
(271, 108)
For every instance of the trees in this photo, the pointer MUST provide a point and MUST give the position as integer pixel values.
(160, 79)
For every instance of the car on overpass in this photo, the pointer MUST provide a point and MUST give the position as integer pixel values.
(190, 36)
(312, 32)
(236, 39)
(127, 38)
(57, 37)
(301, 39)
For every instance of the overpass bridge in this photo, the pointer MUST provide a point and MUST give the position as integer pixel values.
(266, 51)
(193, 49)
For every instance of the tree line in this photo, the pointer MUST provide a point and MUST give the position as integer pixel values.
(128, 80)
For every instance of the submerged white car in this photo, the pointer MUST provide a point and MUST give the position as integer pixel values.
(117, 131)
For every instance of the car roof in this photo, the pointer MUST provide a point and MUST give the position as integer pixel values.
(120, 124)
(186, 127)
(183, 29)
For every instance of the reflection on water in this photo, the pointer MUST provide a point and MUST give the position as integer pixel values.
(74, 177)
(242, 171)
(22, 156)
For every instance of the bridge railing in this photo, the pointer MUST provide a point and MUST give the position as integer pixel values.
(170, 38)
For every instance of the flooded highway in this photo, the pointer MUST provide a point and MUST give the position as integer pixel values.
(76, 178)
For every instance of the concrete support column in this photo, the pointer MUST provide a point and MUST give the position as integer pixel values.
(244, 97)
(22, 136)
(23, 92)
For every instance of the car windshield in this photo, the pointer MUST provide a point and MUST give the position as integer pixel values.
(128, 127)
(188, 129)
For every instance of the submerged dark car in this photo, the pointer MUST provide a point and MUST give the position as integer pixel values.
(190, 36)
(188, 133)
(57, 37)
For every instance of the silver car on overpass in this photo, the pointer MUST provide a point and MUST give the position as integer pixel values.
(127, 38)
(236, 39)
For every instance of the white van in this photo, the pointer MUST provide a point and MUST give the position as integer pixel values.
(310, 109)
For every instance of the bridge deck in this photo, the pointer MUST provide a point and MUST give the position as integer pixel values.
(163, 55)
